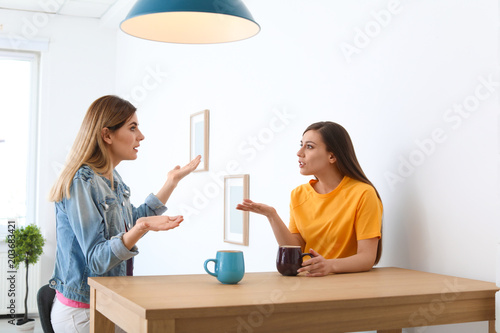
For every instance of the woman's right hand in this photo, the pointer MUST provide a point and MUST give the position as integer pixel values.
(174, 176)
(280, 230)
(177, 173)
(255, 207)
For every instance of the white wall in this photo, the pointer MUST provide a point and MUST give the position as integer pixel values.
(394, 95)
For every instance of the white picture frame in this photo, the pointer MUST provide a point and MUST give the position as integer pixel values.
(236, 188)
(199, 137)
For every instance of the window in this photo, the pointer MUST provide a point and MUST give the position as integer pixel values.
(18, 137)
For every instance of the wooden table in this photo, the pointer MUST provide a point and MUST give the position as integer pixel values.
(384, 299)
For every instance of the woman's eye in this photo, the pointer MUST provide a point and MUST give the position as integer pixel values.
(309, 146)
(132, 128)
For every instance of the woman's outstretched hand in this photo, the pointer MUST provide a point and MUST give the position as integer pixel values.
(160, 223)
(177, 173)
(254, 207)
(150, 223)
(280, 230)
(174, 176)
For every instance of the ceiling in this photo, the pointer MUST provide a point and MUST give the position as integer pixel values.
(79, 8)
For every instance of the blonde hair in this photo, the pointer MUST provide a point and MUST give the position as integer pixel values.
(89, 147)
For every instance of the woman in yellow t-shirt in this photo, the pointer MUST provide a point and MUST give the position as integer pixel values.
(338, 215)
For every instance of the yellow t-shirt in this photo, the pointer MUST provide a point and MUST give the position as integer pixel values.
(332, 223)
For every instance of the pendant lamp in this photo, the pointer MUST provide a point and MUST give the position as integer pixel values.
(190, 21)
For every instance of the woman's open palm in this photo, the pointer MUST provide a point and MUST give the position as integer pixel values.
(162, 222)
(255, 207)
(179, 172)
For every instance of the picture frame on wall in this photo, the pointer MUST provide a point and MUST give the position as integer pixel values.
(199, 136)
(235, 221)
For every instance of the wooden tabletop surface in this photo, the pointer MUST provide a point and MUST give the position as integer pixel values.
(180, 294)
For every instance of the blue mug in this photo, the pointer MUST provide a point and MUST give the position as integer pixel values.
(229, 266)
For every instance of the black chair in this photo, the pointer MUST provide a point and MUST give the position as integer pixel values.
(45, 299)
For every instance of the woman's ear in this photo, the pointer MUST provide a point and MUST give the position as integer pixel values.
(332, 158)
(106, 135)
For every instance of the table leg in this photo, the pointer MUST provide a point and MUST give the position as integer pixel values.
(98, 322)
(399, 330)
(491, 326)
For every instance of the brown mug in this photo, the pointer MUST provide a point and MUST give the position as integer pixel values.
(289, 259)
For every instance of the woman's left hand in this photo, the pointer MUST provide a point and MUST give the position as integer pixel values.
(159, 223)
(177, 173)
(316, 266)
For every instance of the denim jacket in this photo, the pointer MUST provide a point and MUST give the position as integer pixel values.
(90, 225)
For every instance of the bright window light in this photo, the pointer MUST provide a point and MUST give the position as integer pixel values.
(18, 82)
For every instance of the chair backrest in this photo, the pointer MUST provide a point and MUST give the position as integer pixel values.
(45, 299)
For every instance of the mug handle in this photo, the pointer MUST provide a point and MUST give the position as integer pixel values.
(206, 268)
(306, 254)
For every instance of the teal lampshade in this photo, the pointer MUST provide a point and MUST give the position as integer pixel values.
(190, 21)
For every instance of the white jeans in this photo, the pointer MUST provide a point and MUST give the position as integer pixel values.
(66, 319)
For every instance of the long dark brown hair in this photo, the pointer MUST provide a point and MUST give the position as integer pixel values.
(338, 142)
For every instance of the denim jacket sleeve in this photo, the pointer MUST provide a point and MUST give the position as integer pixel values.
(88, 221)
(151, 207)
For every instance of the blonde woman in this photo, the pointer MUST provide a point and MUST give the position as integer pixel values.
(97, 226)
